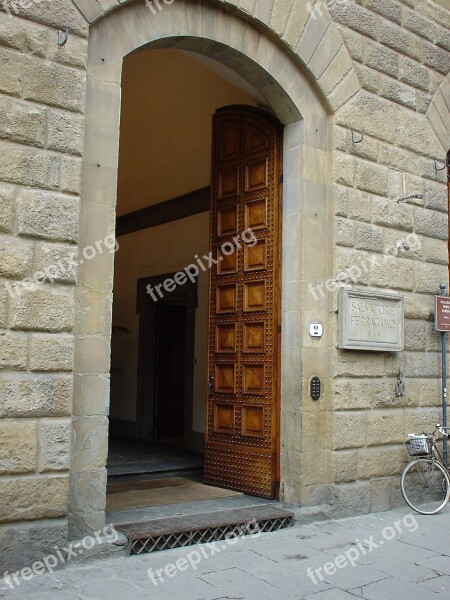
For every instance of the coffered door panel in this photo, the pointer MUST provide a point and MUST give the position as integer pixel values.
(242, 438)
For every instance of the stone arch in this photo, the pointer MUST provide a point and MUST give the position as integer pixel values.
(438, 113)
(303, 99)
(307, 33)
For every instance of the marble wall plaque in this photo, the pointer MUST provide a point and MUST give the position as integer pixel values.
(370, 320)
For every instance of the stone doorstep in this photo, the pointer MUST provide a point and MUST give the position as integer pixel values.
(121, 547)
(188, 530)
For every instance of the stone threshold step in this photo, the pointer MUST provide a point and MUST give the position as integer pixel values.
(187, 530)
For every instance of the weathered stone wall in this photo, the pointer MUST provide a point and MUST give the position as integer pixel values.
(401, 51)
(346, 449)
(42, 90)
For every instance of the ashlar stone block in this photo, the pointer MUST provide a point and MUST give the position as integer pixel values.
(51, 352)
(33, 497)
(47, 216)
(23, 395)
(54, 444)
(18, 449)
(42, 308)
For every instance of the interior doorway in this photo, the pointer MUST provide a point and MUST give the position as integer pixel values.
(161, 411)
(169, 366)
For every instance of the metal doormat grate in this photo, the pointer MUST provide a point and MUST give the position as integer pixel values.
(177, 532)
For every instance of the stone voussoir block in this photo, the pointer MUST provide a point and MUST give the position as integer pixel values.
(383, 114)
(48, 216)
(26, 395)
(354, 16)
(391, 9)
(398, 92)
(18, 450)
(414, 73)
(381, 58)
(398, 39)
(51, 352)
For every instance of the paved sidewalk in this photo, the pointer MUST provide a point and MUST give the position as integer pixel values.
(396, 555)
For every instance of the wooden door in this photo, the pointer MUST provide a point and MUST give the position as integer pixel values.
(242, 438)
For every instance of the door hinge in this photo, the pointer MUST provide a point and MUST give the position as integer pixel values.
(279, 329)
(280, 179)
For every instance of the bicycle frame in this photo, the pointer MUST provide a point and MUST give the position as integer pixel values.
(435, 449)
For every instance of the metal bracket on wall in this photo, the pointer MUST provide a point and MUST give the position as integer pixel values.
(446, 165)
(63, 36)
(400, 385)
(354, 140)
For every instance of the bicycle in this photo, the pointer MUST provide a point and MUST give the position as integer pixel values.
(425, 481)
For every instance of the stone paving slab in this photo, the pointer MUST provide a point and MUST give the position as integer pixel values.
(413, 564)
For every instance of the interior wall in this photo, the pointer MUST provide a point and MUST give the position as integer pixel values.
(164, 249)
(168, 100)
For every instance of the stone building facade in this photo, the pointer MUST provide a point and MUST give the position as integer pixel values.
(327, 70)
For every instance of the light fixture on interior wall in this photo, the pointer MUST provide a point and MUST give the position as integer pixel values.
(418, 196)
(116, 331)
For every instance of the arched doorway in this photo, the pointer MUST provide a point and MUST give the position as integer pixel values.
(277, 76)
(194, 202)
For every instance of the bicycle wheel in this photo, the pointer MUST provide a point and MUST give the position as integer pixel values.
(425, 486)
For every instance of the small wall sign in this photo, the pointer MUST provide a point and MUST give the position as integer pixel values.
(442, 313)
(370, 320)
